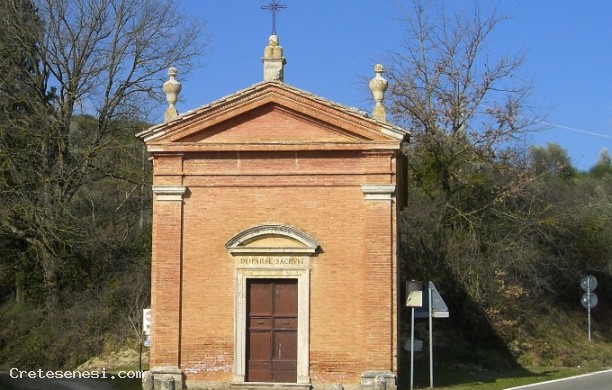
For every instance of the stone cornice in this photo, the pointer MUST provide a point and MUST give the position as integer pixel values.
(169, 193)
(264, 147)
(378, 191)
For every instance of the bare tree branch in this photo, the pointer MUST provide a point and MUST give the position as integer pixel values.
(79, 76)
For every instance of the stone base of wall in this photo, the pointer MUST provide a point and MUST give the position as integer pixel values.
(378, 380)
(201, 385)
(163, 378)
(170, 378)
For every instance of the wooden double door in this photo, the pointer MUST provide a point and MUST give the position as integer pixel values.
(272, 319)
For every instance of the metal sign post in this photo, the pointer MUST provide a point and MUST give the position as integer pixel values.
(431, 310)
(589, 299)
(412, 351)
(414, 299)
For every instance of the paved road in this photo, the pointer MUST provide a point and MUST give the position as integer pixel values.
(56, 384)
(595, 381)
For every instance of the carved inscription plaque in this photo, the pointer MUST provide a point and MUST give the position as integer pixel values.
(278, 262)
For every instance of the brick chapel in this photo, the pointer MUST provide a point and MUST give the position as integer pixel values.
(274, 243)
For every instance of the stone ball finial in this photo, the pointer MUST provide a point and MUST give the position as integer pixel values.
(273, 50)
(378, 86)
(273, 40)
(171, 88)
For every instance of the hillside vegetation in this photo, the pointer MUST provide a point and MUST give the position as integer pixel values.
(510, 270)
(505, 231)
(79, 79)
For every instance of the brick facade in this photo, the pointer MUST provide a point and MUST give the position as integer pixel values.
(273, 155)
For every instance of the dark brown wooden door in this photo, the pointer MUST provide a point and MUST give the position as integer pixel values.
(272, 330)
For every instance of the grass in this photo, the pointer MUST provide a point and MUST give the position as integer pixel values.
(473, 378)
(555, 343)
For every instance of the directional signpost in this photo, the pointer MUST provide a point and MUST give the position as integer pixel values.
(589, 299)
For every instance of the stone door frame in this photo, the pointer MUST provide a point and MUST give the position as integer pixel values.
(280, 262)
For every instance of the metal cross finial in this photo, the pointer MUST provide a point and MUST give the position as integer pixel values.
(274, 6)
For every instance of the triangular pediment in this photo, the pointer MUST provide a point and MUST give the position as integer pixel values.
(271, 123)
(272, 113)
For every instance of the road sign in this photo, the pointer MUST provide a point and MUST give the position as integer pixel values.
(440, 310)
(418, 345)
(414, 291)
(589, 300)
(588, 283)
(146, 321)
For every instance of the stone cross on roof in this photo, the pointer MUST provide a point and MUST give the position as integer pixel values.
(274, 6)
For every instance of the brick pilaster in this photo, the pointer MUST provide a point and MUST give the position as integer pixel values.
(380, 274)
(166, 275)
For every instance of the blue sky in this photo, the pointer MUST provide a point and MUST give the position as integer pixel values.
(331, 46)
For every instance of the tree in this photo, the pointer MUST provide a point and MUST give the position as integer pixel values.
(500, 229)
(603, 165)
(466, 184)
(22, 94)
(103, 58)
(604, 157)
(551, 160)
(445, 83)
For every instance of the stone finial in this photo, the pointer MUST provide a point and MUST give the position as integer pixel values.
(378, 86)
(273, 60)
(171, 88)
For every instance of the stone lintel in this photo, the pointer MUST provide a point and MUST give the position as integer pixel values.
(169, 193)
(378, 191)
(276, 265)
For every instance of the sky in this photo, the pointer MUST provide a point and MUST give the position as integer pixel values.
(331, 47)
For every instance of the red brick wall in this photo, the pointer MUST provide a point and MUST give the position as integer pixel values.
(353, 304)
